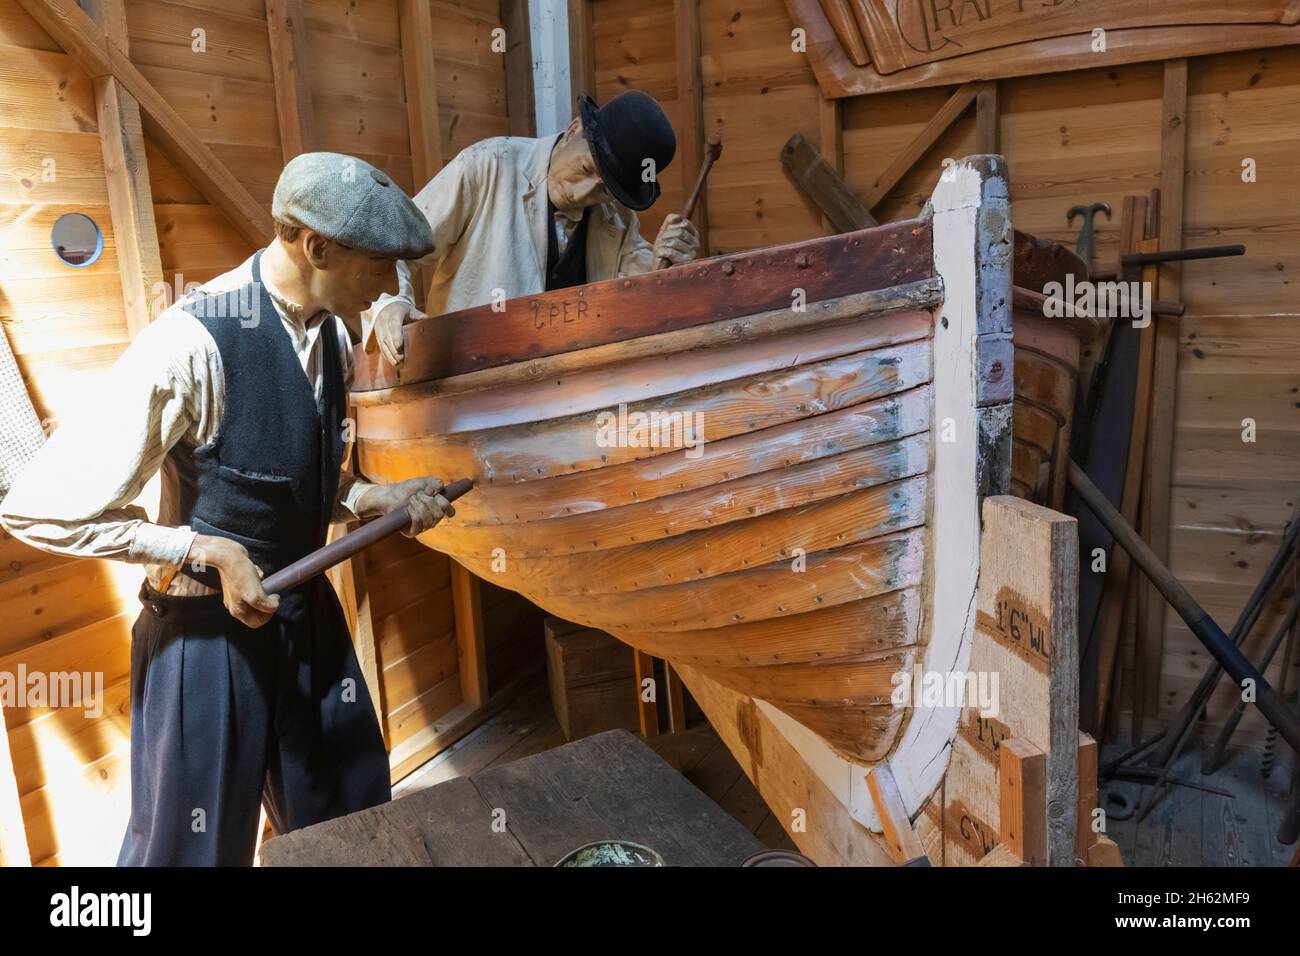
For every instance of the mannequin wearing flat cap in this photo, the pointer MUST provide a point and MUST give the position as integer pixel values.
(237, 396)
(513, 216)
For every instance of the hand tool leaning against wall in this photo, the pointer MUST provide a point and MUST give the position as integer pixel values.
(238, 392)
(515, 216)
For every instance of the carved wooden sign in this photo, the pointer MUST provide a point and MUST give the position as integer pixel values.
(874, 46)
(903, 33)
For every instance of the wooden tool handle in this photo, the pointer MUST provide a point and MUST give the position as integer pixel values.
(711, 153)
(350, 544)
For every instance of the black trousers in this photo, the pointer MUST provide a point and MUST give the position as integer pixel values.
(224, 717)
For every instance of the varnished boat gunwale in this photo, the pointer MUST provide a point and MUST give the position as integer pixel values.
(704, 292)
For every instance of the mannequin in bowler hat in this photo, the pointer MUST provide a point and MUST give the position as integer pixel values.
(517, 216)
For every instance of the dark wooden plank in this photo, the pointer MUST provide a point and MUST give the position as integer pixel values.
(446, 825)
(611, 786)
(616, 310)
(823, 184)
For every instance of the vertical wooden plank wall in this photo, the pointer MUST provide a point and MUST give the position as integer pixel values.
(1086, 136)
(66, 325)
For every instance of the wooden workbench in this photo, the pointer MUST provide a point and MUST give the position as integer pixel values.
(531, 813)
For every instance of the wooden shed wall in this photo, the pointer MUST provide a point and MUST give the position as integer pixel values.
(1085, 136)
(66, 326)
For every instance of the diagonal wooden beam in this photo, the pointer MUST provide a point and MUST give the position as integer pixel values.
(920, 145)
(93, 50)
(822, 184)
(286, 29)
(126, 174)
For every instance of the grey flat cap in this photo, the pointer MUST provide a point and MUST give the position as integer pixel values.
(346, 199)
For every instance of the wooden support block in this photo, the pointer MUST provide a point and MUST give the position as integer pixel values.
(592, 679)
(1022, 776)
(900, 839)
(471, 646)
(1001, 855)
(1105, 852)
(1086, 836)
(1026, 633)
(648, 710)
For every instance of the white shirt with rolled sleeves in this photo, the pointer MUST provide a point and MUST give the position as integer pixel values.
(489, 213)
(75, 496)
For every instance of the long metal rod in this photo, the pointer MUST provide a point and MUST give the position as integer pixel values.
(1229, 656)
(350, 544)
(1214, 757)
(1181, 255)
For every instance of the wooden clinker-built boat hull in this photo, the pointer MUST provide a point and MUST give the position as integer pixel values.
(854, 395)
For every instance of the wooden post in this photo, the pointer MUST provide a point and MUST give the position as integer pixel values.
(1160, 453)
(420, 75)
(520, 104)
(676, 699)
(421, 80)
(471, 649)
(647, 710)
(13, 832)
(987, 119)
(830, 116)
(352, 587)
(690, 113)
(1116, 587)
(286, 29)
(126, 174)
(582, 59)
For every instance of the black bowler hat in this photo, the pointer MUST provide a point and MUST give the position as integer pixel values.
(623, 134)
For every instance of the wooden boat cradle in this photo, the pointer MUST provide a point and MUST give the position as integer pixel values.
(827, 537)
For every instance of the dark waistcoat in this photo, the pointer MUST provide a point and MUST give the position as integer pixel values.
(569, 269)
(269, 478)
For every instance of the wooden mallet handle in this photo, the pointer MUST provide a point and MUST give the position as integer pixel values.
(350, 544)
(711, 154)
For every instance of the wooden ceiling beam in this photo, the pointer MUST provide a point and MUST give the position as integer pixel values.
(96, 53)
(126, 174)
(286, 29)
(421, 74)
(690, 108)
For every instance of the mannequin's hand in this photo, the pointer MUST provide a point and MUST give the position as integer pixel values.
(387, 331)
(422, 498)
(678, 240)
